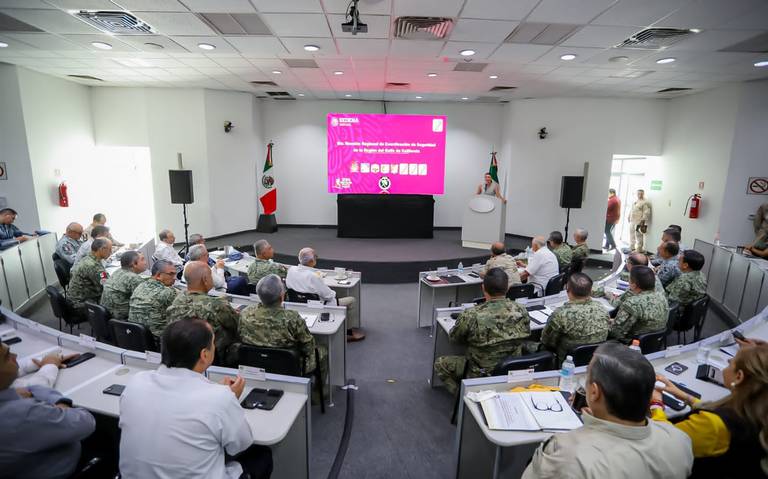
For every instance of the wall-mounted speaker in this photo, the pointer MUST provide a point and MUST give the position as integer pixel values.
(571, 191)
(181, 187)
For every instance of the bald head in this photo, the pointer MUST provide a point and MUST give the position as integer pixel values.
(636, 259)
(198, 276)
(74, 230)
(538, 242)
(498, 248)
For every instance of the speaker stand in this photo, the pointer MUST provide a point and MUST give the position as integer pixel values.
(567, 221)
(267, 224)
(186, 229)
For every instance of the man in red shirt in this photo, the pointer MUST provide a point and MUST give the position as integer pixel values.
(611, 218)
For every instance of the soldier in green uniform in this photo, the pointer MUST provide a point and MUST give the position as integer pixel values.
(263, 265)
(635, 259)
(580, 250)
(561, 250)
(89, 276)
(492, 331)
(500, 259)
(151, 299)
(644, 312)
(691, 284)
(119, 287)
(579, 321)
(195, 303)
(68, 245)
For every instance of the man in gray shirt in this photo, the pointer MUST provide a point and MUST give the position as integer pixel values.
(40, 431)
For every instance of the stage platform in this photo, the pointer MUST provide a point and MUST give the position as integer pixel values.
(380, 260)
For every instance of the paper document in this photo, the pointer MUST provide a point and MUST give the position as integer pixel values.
(530, 411)
(540, 316)
(730, 349)
(309, 318)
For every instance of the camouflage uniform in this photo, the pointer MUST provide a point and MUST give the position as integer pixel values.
(579, 252)
(507, 263)
(564, 255)
(687, 288)
(599, 292)
(149, 303)
(67, 248)
(492, 331)
(668, 270)
(118, 290)
(577, 322)
(641, 313)
(275, 327)
(262, 267)
(640, 214)
(87, 281)
(220, 316)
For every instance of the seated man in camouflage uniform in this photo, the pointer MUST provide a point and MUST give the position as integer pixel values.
(89, 275)
(119, 287)
(263, 265)
(270, 325)
(152, 297)
(579, 321)
(644, 312)
(669, 269)
(500, 259)
(561, 250)
(635, 259)
(580, 251)
(195, 303)
(492, 331)
(691, 284)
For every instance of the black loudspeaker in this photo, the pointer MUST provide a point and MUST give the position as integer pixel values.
(181, 187)
(571, 191)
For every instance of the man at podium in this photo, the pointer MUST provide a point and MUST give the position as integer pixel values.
(490, 188)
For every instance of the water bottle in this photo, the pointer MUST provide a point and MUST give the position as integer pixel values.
(702, 354)
(635, 345)
(461, 267)
(566, 374)
(527, 252)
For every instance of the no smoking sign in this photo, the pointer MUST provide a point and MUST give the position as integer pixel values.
(3, 171)
(757, 185)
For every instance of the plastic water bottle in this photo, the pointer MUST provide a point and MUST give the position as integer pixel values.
(702, 354)
(566, 374)
(527, 252)
(635, 345)
(461, 267)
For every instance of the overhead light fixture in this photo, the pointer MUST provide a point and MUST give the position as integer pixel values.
(348, 95)
(206, 46)
(277, 72)
(102, 45)
(419, 98)
(467, 53)
(493, 77)
(153, 46)
(338, 72)
(694, 30)
(619, 59)
(464, 98)
(568, 57)
(3, 45)
(311, 48)
(431, 75)
(762, 63)
(664, 61)
(301, 94)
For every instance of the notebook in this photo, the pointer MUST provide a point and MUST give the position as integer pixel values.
(529, 411)
(309, 318)
(540, 316)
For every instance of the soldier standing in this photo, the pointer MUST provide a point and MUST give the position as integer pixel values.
(639, 218)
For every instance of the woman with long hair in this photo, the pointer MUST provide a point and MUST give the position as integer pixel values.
(729, 436)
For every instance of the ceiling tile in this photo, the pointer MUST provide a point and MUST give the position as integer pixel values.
(519, 53)
(568, 11)
(708, 13)
(280, 6)
(264, 47)
(232, 62)
(83, 4)
(140, 42)
(490, 31)
(25, 4)
(52, 21)
(482, 50)
(172, 23)
(378, 26)
(498, 9)
(367, 7)
(599, 36)
(14, 45)
(756, 18)
(603, 57)
(363, 47)
(200, 62)
(297, 24)
(219, 6)
(713, 40)
(552, 57)
(415, 48)
(191, 44)
(151, 5)
(85, 42)
(428, 8)
(295, 46)
(44, 41)
(638, 13)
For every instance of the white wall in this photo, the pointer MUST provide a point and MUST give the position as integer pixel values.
(300, 154)
(580, 130)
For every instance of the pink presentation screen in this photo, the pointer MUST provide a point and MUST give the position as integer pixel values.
(395, 154)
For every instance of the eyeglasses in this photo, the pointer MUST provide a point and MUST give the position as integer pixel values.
(556, 407)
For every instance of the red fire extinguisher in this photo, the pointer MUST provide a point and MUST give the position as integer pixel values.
(63, 199)
(695, 202)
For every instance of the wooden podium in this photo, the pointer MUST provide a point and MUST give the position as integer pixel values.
(484, 222)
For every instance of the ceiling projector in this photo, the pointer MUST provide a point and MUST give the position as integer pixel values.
(354, 25)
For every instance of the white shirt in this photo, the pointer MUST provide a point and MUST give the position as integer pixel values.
(176, 424)
(166, 252)
(30, 375)
(307, 280)
(218, 277)
(542, 266)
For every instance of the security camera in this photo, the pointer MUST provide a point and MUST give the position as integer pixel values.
(228, 126)
(354, 25)
(543, 133)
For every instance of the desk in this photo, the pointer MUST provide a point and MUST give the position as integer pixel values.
(385, 216)
(482, 453)
(25, 270)
(440, 294)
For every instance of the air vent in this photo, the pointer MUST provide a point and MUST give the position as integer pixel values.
(85, 77)
(757, 44)
(541, 33)
(655, 38)
(263, 83)
(284, 98)
(299, 63)
(278, 93)
(422, 28)
(116, 22)
(10, 24)
(470, 67)
(236, 23)
(398, 86)
(503, 88)
(673, 90)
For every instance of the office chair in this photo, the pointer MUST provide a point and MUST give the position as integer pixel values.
(99, 316)
(284, 361)
(653, 342)
(527, 290)
(133, 336)
(555, 284)
(691, 316)
(540, 361)
(294, 296)
(582, 354)
(566, 270)
(577, 265)
(62, 270)
(63, 309)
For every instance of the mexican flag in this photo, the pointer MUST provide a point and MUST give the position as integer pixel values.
(267, 188)
(494, 168)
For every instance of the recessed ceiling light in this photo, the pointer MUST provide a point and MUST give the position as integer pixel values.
(464, 98)
(206, 46)
(102, 45)
(153, 46)
(662, 61)
(301, 94)
(619, 59)
(338, 72)
(431, 75)
(277, 72)
(567, 57)
(3, 45)
(694, 30)
(311, 48)
(419, 98)
(348, 95)
(493, 77)
(467, 53)
(762, 63)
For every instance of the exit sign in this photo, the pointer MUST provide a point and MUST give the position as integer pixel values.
(656, 185)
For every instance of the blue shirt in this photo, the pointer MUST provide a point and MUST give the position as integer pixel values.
(39, 439)
(668, 270)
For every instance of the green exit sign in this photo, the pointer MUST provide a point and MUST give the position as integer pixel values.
(656, 185)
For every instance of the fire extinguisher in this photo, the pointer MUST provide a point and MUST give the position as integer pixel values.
(695, 202)
(63, 199)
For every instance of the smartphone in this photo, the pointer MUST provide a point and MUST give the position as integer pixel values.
(672, 401)
(12, 340)
(325, 316)
(474, 275)
(78, 359)
(737, 334)
(114, 390)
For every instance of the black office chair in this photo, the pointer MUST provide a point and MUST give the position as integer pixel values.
(653, 342)
(566, 270)
(294, 296)
(133, 336)
(577, 265)
(699, 309)
(63, 309)
(691, 316)
(62, 270)
(99, 316)
(541, 361)
(555, 284)
(521, 291)
(281, 361)
(582, 355)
